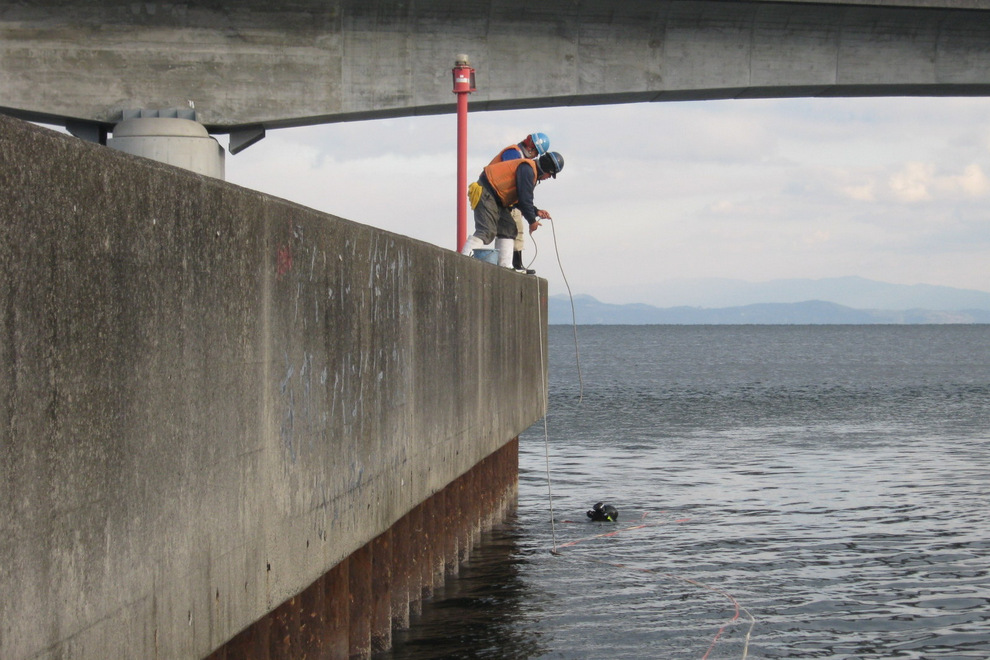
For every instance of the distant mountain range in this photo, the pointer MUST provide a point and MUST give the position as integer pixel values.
(855, 292)
(848, 300)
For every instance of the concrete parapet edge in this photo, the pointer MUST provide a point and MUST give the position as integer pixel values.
(211, 397)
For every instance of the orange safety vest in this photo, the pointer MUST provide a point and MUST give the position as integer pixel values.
(502, 178)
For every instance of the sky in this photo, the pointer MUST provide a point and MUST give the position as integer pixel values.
(889, 189)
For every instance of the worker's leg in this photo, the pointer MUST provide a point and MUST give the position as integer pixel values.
(504, 247)
(517, 261)
(486, 215)
(505, 243)
(471, 244)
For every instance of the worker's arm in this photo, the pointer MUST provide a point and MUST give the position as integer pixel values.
(525, 184)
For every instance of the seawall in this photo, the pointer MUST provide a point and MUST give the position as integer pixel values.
(210, 398)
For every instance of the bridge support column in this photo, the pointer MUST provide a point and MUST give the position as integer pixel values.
(181, 142)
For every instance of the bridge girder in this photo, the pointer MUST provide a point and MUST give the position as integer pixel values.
(252, 65)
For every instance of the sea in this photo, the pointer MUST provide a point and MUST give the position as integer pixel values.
(783, 492)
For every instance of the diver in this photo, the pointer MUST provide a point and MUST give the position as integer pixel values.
(602, 512)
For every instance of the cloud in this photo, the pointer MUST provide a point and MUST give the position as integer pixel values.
(923, 182)
(911, 183)
(860, 192)
(971, 182)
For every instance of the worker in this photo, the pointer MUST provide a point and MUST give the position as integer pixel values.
(504, 185)
(533, 146)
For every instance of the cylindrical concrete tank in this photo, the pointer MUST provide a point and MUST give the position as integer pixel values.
(180, 142)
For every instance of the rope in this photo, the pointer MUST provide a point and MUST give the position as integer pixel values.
(577, 354)
(546, 408)
(546, 444)
(536, 252)
(577, 358)
(737, 608)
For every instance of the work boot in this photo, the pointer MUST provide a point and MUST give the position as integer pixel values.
(518, 264)
(471, 244)
(504, 247)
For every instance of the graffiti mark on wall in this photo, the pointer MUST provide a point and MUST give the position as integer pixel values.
(283, 262)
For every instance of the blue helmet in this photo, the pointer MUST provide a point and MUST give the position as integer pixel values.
(540, 141)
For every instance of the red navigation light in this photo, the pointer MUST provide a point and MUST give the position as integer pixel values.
(463, 77)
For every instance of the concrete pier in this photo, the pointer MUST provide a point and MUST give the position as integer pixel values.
(231, 422)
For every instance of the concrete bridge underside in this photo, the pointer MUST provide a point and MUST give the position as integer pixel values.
(254, 64)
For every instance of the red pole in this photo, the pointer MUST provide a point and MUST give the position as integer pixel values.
(463, 85)
(462, 104)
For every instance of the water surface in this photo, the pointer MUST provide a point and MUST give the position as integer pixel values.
(784, 492)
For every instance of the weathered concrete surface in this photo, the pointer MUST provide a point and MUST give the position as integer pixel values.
(255, 63)
(208, 397)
